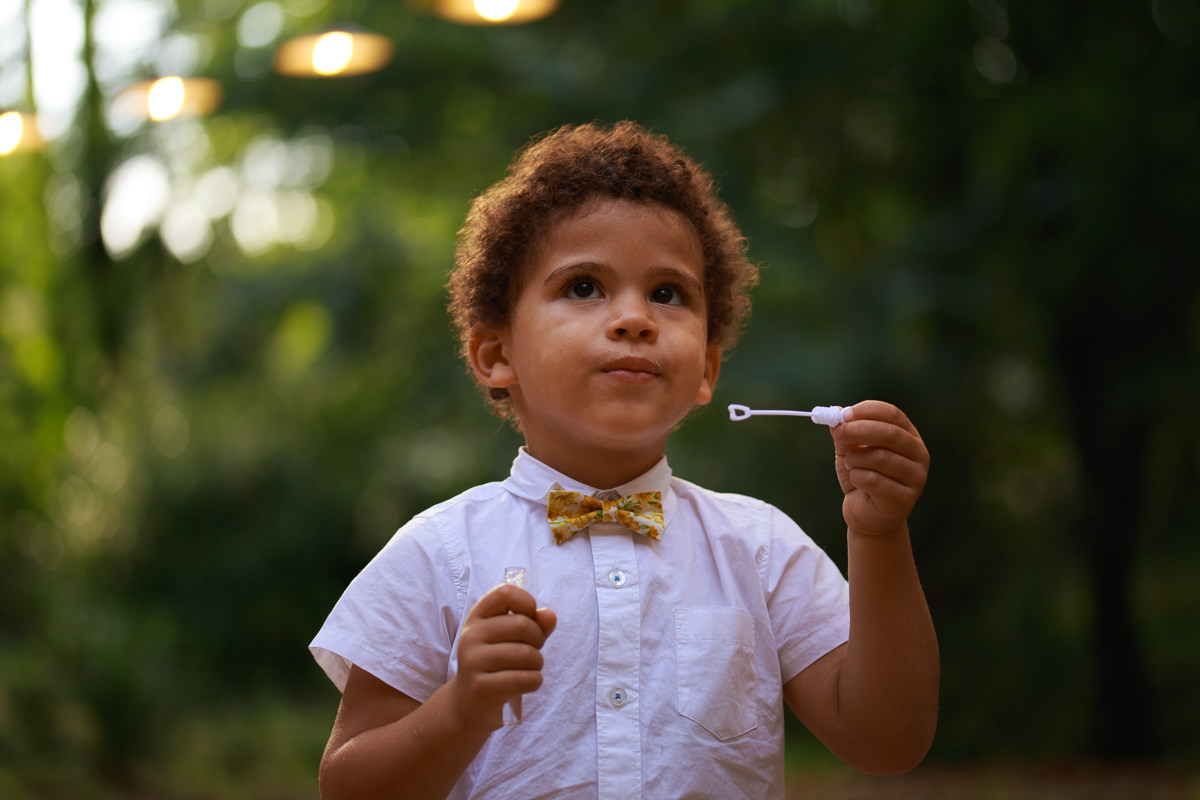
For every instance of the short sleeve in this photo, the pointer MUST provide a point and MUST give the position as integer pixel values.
(398, 618)
(808, 598)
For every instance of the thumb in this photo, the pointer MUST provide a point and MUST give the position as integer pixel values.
(546, 619)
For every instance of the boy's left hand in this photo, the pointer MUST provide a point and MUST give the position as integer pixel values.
(881, 465)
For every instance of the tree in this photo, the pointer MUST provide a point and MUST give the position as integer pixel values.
(213, 415)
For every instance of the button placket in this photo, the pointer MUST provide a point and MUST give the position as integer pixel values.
(618, 601)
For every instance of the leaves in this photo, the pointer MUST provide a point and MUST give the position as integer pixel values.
(980, 212)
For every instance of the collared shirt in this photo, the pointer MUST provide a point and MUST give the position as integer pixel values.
(664, 676)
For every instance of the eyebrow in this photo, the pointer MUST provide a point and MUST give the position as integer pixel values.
(559, 273)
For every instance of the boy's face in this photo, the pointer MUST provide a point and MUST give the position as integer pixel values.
(606, 349)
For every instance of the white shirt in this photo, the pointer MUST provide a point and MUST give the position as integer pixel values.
(664, 676)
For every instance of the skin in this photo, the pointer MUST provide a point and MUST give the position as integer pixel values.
(873, 701)
(604, 354)
(618, 289)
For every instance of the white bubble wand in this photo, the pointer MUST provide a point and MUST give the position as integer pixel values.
(821, 415)
(513, 576)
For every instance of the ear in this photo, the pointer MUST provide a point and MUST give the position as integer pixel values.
(712, 368)
(487, 350)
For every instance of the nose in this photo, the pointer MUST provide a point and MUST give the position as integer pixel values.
(632, 319)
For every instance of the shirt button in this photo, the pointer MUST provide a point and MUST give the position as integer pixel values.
(618, 697)
(617, 578)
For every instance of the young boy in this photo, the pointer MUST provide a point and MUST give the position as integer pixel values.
(595, 290)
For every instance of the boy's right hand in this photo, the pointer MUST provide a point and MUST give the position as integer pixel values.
(499, 654)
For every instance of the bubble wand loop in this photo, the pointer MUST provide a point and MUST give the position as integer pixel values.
(821, 415)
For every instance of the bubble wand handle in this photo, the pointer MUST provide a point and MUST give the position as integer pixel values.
(513, 576)
(821, 415)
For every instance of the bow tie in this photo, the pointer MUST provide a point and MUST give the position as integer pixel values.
(569, 512)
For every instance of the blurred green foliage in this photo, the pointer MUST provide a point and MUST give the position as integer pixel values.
(984, 214)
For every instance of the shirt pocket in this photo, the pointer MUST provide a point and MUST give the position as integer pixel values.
(714, 663)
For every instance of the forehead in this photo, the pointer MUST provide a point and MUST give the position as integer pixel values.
(605, 224)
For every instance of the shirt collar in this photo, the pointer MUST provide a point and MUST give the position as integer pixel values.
(533, 480)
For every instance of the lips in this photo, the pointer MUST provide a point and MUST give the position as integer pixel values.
(634, 367)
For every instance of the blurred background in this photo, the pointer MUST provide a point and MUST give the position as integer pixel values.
(226, 374)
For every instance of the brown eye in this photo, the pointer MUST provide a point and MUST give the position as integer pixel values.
(582, 290)
(668, 296)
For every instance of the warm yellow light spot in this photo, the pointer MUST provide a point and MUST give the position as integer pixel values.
(11, 129)
(332, 53)
(165, 99)
(496, 10)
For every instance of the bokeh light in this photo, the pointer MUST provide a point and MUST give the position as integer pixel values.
(19, 133)
(12, 128)
(494, 12)
(334, 53)
(165, 99)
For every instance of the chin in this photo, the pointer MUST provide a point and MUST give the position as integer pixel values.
(626, 434)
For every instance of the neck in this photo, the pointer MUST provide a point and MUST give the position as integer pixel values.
(595, 466)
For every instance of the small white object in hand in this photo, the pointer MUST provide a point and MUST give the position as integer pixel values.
(821, 415)
(513, 576)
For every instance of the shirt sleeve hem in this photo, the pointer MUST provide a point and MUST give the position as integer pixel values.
(802, 655)
(336, 651)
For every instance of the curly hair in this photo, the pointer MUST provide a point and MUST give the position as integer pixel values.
(560, 172)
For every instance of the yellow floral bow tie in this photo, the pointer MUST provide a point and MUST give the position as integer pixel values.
(569, 512)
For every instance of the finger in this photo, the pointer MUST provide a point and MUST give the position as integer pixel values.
(873, 433)
(504, 599)
(884, 490)
(504, 657)
(547, 620)
(496, 684)
(880, 411)
(509, 682)
(505, 628)
(889, 463)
